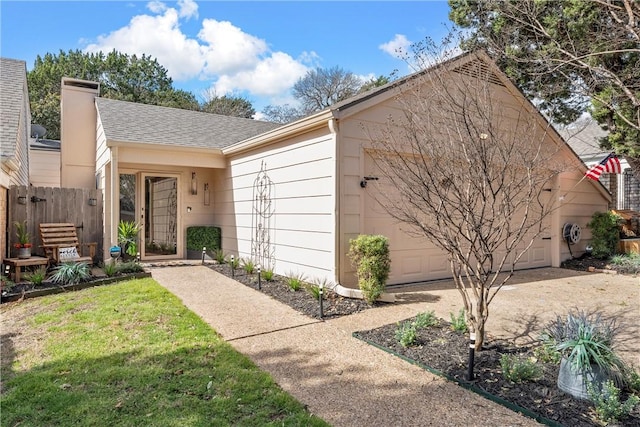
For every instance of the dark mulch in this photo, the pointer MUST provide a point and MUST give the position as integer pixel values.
(441, 348)
(585, 261)
(301, 300)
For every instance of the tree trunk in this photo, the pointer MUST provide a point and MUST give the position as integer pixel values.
(478, 325)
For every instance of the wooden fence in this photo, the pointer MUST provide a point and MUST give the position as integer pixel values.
(36, 205)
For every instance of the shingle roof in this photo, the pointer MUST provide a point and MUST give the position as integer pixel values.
(13, 75)
(584, 137)
(151, 124)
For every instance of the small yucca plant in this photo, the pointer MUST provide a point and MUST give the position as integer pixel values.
(70, 273)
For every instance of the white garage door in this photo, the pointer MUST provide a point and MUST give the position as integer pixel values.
(415, 259)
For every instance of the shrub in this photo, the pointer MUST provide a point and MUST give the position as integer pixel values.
(630, 262)
(517, 369)
(267, 275)
(605, 234)
(110, 268)
(70, 273)
(199, 236)
(294, 281)
(547, 352)
(248, 266)
(585, 340)
(426, 319)
(128, 237)
(609, 408)
(369, 254)
(5, 283)
(314, 291)
(37, 276)
(459, 322)
(406, 333)
(129, 267)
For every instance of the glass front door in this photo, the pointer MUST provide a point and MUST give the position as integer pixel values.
(159, 217)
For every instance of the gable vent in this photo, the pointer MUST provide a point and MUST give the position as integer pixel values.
(479, 69)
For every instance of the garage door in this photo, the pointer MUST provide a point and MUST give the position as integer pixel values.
(415, 259)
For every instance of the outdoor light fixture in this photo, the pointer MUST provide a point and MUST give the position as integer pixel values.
(22, 200)
(93, 201)
(194, 184)
(363, 183)
(36, 199)
(207, 195)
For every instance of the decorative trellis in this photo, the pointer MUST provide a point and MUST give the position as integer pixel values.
(262, 226)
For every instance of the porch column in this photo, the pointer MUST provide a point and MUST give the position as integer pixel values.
(115, 197)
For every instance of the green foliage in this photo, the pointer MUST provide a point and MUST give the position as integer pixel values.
(425, 319)
(201, 236)
(37, 276)
(517, 369)
(369, 254)
(459, 322)
(229, 106)
(294, 281)
(248, 265)
(234, 263)
(605, 233)
(406, 333)
(5, 283)
(632, 380)
(609, 407)
(220, 256)
(547, 352)
(585, 340)
(128, 236)
(570, 56)
(121, 76)
(630, 262)
(129, 267)
(21, 232)
(314, 291)
(70, 273)
(110, 268)
(267, 275)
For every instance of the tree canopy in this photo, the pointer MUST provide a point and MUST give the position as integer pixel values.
(571, 55)
(323, 87)
(227, 105)
(128, 78)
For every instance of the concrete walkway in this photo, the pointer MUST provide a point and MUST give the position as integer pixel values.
(339, 378)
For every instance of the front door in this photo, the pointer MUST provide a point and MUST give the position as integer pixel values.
(159, 217)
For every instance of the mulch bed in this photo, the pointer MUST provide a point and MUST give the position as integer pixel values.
(585, 261)
(301, 300)
(442, 349)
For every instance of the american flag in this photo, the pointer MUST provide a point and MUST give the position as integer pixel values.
(610, 164)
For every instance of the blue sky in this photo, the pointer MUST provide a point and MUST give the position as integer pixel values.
(252, 49)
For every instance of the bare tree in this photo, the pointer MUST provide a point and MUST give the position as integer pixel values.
(282, 113)
(471, 168)
(322, 87)
(227, 105)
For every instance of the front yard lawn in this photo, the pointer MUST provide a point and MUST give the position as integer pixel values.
(129, 354)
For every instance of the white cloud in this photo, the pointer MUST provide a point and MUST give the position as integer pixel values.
(398, 47)
(232, 59)
(188, 9)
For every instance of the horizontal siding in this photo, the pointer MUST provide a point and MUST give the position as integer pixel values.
(302, 196)
(44, 168)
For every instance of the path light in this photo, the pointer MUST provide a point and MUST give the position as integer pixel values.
(472, 346)
(259, 277)
(233, 266)
(321, 292)
(204, 251)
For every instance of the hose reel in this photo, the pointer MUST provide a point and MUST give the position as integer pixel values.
(571, 233)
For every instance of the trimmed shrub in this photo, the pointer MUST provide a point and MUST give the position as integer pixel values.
(605, 234)
(369, 254)
(199, 236)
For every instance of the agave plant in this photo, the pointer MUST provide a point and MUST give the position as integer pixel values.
(128, 236)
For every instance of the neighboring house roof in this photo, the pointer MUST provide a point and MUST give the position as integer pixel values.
(45, 144)
(584, 137)
(13, 74)
(150, 124)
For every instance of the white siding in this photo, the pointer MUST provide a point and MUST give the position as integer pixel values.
(302, 228)
(44, 168)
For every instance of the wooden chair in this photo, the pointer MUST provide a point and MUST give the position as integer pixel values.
(60, 243)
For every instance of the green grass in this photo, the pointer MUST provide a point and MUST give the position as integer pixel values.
(132, 354)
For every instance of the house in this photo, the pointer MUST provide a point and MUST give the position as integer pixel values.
(290, 196)
(15, 126)
(584, 136)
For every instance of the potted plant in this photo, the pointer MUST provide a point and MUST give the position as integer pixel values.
(128, 238)
(588, 356)
(23, 245)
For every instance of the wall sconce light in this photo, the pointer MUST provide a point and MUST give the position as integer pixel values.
(93, 201)
(363, 183)
(194, 184)
(36, 199)
(207, 196)
(22, 200)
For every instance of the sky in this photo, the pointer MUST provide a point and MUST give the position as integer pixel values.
(257, 50)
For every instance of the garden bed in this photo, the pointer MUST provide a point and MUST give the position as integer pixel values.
(25, 290)
(445, 352)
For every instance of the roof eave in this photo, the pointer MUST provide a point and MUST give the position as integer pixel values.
(161, 147)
